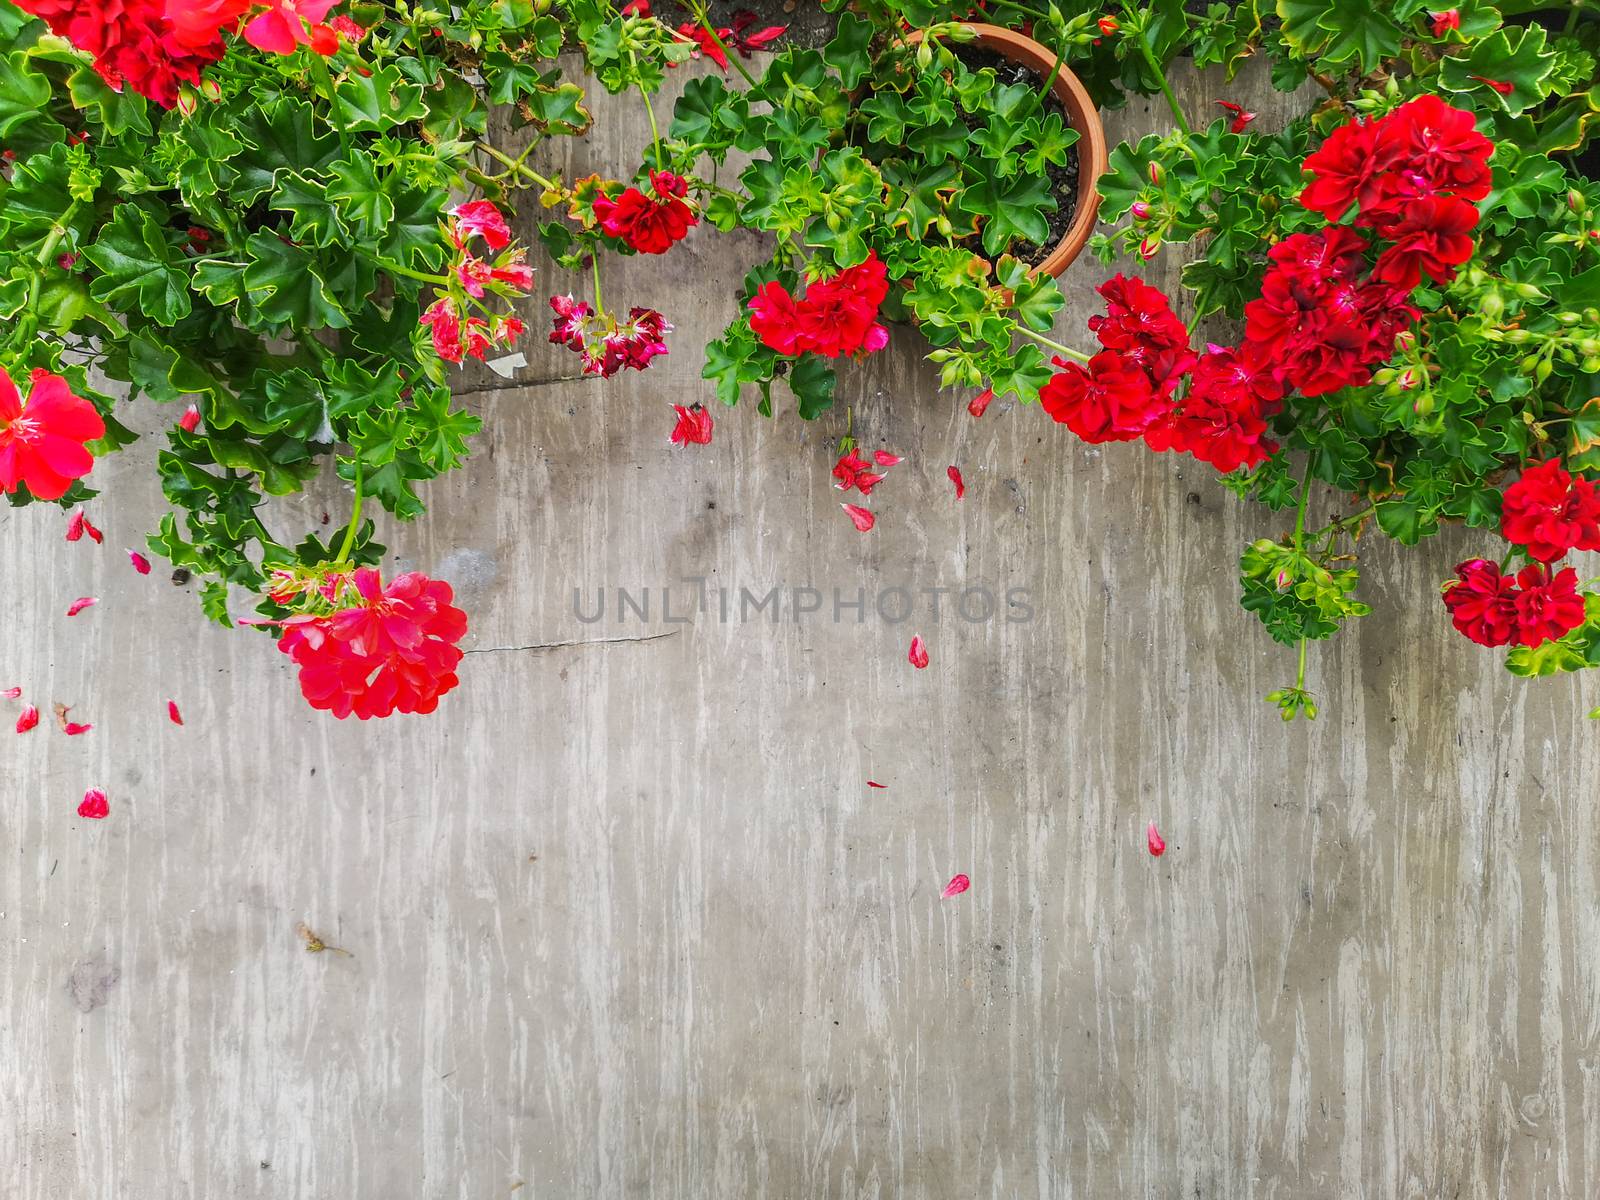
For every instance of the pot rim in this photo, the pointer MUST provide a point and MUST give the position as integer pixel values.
(1082, 115)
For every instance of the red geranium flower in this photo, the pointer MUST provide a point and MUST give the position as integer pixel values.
(393, 649)
(1114, 400)
(281, 29)
(1549, 606)
(851, 472)
(836, 316)
(479, 218)
(694, 425)
(1442, 144)
(133, 43)
(649, 226)
(197, 24)
(1432, 235)
(1222, 419)
(42, 439)
(444, 323)
(1482, 603)
(1140, 325)
(1446, 21)
(1349, 168)
(1549, 512)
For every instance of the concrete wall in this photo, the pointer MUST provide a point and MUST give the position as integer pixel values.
(624, 920)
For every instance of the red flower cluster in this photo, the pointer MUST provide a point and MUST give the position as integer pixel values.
(1414, 175)
(1126, 388)
(43, 439)
(1222, 420)
(1535, 606)
(650, 226)
(605, 344)
(283, 28)
(1548, 512)
(836, 316)
(1322, 322)
(1129, 388)
(458, 332)
(393, 649)
(136, 43)
(851, 470)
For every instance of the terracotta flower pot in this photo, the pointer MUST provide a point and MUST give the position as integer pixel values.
(1081, 115)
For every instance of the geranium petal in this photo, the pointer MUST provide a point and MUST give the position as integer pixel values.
(81, 603)
(873, 783)
(95, 806)
(955, 477)
(173, 714)
(862, 517)
(28, 719)
(1153, 840)
(140, 563)
(884, 459)
(979, 404)
(955, 887)
(918, 657)
(12, 693)
(73, 729)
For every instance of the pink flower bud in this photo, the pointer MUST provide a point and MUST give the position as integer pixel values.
(1140, 210)
(1156, 173)
(1404, 340)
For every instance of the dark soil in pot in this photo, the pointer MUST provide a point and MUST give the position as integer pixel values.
(1063, 179)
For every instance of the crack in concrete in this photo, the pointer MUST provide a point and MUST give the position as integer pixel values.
(654, 637)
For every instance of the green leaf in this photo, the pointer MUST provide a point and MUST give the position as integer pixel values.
(279, 136)
(363, 203)
(373, 103)
(118, 112)
(1360, 32)
(316, 218)
(1010, 209)
(214, 602)
(24, 92)
(848, 53)
(1512, 55)
(140, 268)
(286, 286)
(812, 381)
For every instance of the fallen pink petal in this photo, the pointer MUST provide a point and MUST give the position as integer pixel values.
(979, 404)
(862, 517)
(140, 563)
(95, 806)
(12, 693)
(873, 783)
(173, 714)
(73, 729)
(955, 887)
(81, 603)
(918, 657)
(28, 719)
(884, 459)
(1153, 838)
(79, 524)
(955, 477)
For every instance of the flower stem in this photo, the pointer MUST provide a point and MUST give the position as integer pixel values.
(518, 166)
(1053, 344)
(599, 305)
(1161, 77)
(319, 68)
(355, 520)
(649, 111)
(395, 268)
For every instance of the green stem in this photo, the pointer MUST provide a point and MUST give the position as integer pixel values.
(705, 23)
(1166, 88)
(319, 68)
(1300, 673)
(518, 166)
(1053, 344)
(599, 305)
(1299, 547)
(355, 520)
(649, 111)
(395, 268)
(1023, 8)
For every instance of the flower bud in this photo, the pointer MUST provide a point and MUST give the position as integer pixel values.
(211, 90)
(1384, 376)
(1575, 200)
(1527, 291)
(1423, 405)
(1542, 371)
(1283, 581)
(1591, 364)
(924, 56)
(1492, 306)
(1404, 340)
(1140, 210)
(1568, 318)
(1589, 345)
(1148, 248)
(1156, 173)
(188, 102)
(1516, 336)
(1407, 379)
(1108, 25)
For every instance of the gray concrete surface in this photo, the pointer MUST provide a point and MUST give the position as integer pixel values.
(624, 920)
